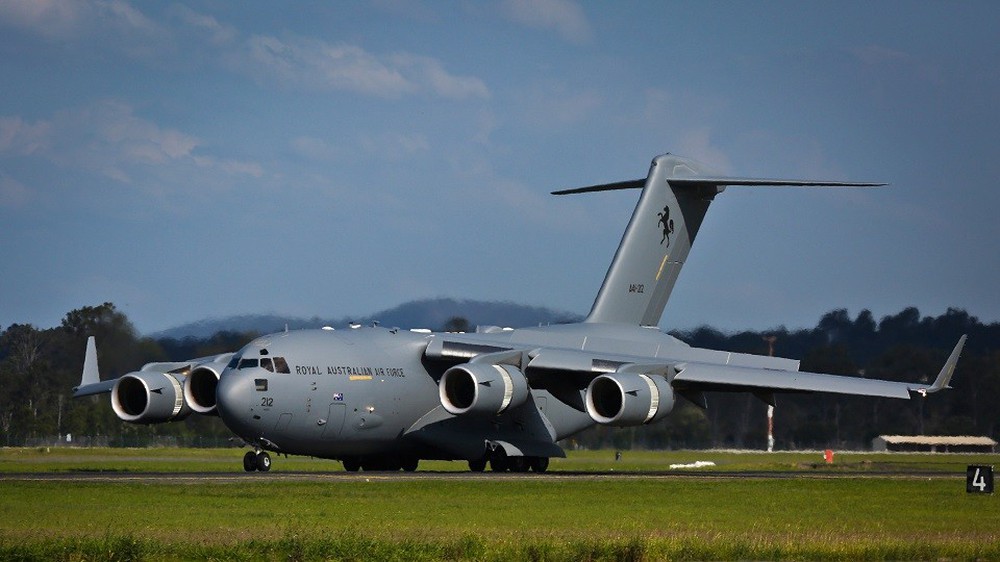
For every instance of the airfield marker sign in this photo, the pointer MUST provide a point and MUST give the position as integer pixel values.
(979, 479)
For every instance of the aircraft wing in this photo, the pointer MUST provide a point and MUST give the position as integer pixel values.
(691, 372)
(693, 379)
(701, 376)
(724, 378)
(91, 383)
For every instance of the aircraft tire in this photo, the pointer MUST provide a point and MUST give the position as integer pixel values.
(499, 461)
(263, 462)
(352, 465)
(478, 465)
(372, 465)
(250, 461)
(539, 464)
(518, 464)
(410, 464)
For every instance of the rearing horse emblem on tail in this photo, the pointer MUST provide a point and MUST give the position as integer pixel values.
(667, 223)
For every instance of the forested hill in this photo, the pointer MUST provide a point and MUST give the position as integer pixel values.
(39, 367)
(425, 313)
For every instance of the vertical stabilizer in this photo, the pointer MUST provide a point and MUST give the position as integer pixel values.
(675, 197)
(655, 245)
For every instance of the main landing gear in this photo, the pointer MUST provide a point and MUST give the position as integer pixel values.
(380, 463)
(256, 460)
(500, 462)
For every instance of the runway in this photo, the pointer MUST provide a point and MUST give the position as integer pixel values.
(377, 476)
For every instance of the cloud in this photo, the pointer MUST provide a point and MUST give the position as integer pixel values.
(485, 124)
(217, 33)
(314, 64)
(18, 137)
(114, 140)
(12, 192)
(551, 105)
(429, 73)
(395, 144)
(113, 23)
(107, 138)
(293, 61)
(876, 54)
(53, 19)
(314, 148)
(563, 16)
(697, 144)
(230, 167)
(885, 61)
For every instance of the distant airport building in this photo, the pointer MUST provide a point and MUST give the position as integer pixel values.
(934, 444)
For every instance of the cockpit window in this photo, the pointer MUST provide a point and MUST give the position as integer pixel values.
(281, 366)
(248, 363)
(275, 365)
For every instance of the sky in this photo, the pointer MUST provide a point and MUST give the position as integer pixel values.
(192, 160)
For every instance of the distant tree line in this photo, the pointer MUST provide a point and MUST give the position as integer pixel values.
(39, 368)
(904, 347)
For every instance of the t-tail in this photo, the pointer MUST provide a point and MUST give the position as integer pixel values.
(675, 197)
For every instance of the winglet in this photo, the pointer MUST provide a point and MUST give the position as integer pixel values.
(90, 381)
(944, 377)
(91, 374)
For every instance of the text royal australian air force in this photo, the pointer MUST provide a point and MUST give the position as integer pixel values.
(351, 371)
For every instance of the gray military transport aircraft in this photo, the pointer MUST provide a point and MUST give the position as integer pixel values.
(383, 398)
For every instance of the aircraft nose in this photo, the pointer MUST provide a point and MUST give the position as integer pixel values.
(232, 398)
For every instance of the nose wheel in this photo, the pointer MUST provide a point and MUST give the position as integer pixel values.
(256, 460)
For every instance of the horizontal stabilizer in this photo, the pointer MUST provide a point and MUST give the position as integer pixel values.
(716, 180)
(628, 184)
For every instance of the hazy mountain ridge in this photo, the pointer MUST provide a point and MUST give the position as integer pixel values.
(424, 313)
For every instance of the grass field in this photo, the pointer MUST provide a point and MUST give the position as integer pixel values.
(876, 515)
(70, 459)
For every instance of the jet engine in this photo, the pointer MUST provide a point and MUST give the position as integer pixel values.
(200, 385)
(148, 397)
(482, 388)
(629, 399)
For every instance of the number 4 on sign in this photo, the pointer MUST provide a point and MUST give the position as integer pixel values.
(979, 479)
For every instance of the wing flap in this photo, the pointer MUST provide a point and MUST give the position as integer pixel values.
(695, 375)
(89, 389)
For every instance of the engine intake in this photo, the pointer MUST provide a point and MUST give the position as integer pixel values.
(624, 399)
(148, 397)
(199, 388)
(482, 389)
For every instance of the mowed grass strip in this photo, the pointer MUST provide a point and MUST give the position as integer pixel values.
(72, 459)
(606, 519)
(360, 548)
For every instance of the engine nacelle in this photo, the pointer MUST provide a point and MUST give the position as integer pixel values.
(148, 397)
(200, 385)
(629, 399)
(482, 388)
